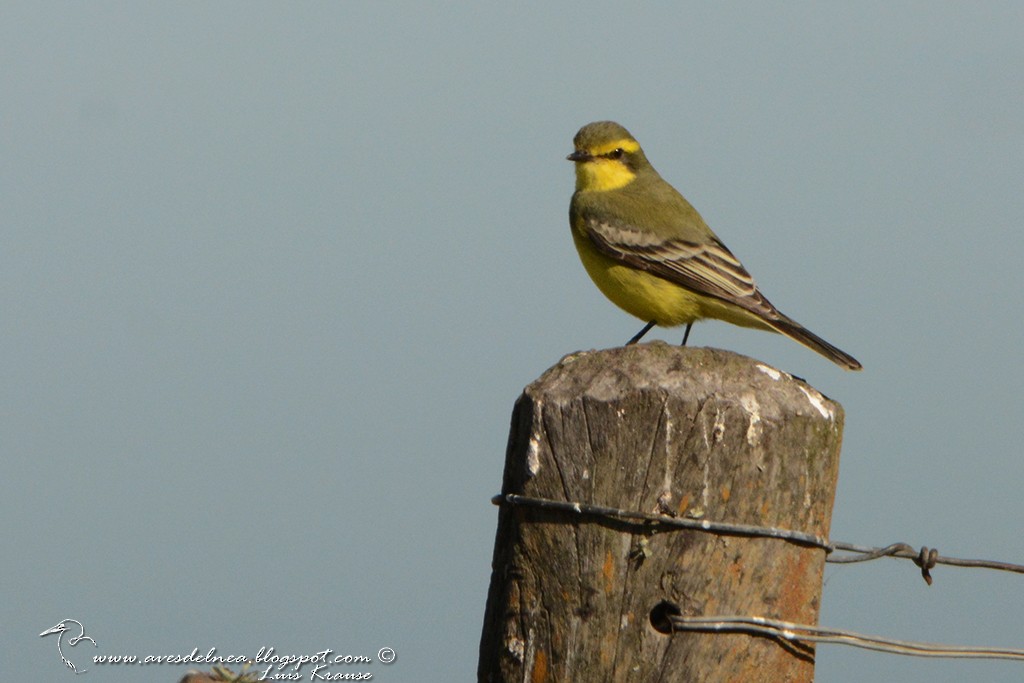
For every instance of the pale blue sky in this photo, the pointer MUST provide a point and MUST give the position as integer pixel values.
(273, 274)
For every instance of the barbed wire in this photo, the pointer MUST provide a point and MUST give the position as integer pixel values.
(729, 528)
(925, 558)
(793, 632)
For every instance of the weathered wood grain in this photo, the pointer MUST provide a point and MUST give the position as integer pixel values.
(688, 431)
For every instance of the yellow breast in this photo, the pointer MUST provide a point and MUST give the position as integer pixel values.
(646, 296)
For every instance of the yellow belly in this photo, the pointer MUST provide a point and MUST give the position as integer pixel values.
(650, 297)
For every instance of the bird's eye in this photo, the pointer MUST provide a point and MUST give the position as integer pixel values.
(616, 153)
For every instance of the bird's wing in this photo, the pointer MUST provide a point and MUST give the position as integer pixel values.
(706, 267)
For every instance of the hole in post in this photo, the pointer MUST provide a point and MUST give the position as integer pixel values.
(661, 616)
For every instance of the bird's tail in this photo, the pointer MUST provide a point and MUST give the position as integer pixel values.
(798, 332)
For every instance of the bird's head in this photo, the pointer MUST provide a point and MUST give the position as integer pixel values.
(607, 157)
(59, 628)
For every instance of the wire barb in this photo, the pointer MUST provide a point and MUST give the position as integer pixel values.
(925, 558)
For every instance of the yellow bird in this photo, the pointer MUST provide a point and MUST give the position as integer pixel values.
(650, 252)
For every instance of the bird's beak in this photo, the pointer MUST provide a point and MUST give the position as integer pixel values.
(579, 155)
(56, 629)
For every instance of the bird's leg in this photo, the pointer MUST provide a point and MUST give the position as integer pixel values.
(641, 333)
(686, 335)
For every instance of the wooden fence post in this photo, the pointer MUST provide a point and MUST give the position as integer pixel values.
(693, 432)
